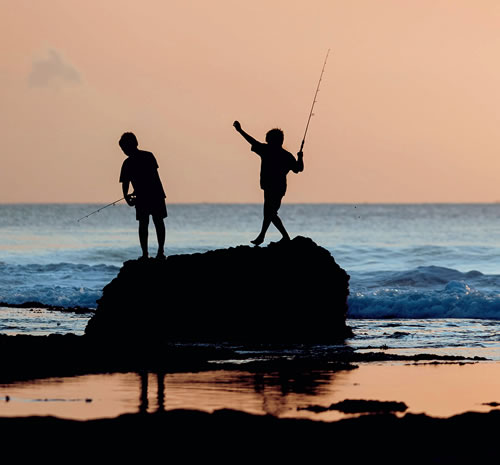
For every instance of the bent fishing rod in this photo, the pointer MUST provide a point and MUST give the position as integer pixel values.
(314, 100)
(102, 208)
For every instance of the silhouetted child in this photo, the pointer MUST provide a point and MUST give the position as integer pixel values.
(276, 162)
(141, 169)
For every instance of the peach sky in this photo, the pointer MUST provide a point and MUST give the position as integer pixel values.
(408, 110)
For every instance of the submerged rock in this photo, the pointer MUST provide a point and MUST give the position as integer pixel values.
(286, 292)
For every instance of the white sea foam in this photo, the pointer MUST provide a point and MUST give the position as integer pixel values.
(63, 284)
(426, 292)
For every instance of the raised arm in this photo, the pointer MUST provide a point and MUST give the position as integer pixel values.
(246, 136)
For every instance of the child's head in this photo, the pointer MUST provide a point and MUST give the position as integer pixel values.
(275, 137)
(128, 142)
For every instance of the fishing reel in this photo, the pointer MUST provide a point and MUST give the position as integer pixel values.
(131, 199)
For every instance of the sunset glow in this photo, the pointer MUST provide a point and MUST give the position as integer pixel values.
(407, 112)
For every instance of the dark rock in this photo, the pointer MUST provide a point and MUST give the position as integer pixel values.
(397, 334)
(360, 406)
(228, 436)
(33, 305)
(57, 355)
(290, 291)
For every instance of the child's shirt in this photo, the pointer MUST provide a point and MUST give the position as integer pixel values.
(141, 169)
(276, 162)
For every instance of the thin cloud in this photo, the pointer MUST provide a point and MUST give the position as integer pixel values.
(52, 72)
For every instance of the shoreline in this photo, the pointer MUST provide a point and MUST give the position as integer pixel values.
(258, 379)
(33, 357)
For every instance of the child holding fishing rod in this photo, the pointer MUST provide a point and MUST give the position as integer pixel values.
(141, 169)
(276, 162)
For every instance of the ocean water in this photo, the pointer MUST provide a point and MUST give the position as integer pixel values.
(423, 276)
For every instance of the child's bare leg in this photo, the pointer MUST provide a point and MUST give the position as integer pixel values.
(160, 234)
(272, 204)
(143, 235)
(265, 225)
(279, 225)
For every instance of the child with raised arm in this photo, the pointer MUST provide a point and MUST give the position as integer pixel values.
(276, 162)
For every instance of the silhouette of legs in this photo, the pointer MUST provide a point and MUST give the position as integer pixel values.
(161, 391)
(143, 400)
(160, 234)
(143, 235)
(279, 226)
(265, 225)
(272, 203)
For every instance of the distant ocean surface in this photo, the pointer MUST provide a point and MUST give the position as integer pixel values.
(414, 264)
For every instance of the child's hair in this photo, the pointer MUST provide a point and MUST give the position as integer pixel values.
(275, 137)
(128, 140)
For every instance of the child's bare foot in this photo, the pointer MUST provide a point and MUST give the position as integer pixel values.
(258, 240)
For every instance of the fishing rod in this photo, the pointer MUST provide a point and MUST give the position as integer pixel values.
(314, 100)
(102, 208)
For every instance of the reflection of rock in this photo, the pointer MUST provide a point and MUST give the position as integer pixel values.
(360, 406)
(292, 291)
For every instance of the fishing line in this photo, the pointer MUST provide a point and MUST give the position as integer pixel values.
(102, 208)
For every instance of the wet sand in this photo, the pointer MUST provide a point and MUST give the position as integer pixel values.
(439, 390)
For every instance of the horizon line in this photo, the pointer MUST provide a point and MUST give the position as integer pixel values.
(492, 202)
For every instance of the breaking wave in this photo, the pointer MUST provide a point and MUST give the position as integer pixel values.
(425, 292)
(62, 284)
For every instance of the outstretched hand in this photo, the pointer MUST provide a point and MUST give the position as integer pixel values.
(300, 154)
(237, 125)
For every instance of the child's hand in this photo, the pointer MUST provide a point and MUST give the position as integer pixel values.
(130, 199)
(300, 154)
(237, 125)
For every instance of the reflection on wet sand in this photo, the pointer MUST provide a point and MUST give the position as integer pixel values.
(101, 396)
(262, 393)
(160, 392)
(438, 390)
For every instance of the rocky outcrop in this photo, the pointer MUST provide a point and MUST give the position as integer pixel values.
(286, 292)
